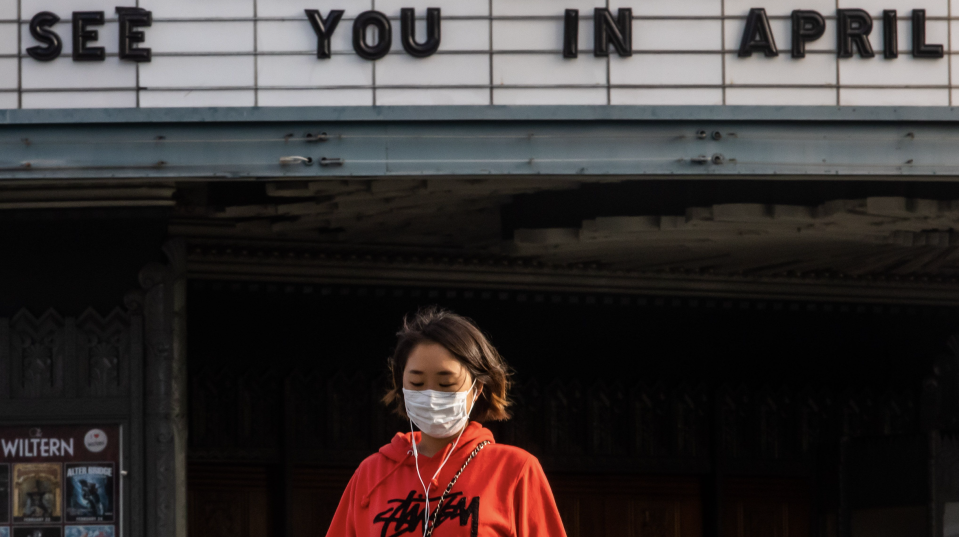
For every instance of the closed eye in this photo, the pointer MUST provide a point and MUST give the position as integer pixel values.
(417, 384)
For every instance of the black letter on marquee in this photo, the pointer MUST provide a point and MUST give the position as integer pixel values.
(130, 18)
(408, 32)
(919, 47)
(890, 34)
(40, 30)
(758, 36)
(571, 34)
(854, 27)
(807, 26)
(324, 30)
(607, 29)
(384, 35)
(81, 36)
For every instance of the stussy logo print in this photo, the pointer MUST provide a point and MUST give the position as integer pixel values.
(406, 515)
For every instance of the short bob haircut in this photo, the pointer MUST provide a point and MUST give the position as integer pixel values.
(467, 343)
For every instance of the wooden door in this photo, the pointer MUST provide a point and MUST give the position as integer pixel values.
(766, 507)
(316, 493)
(230, 500)
(628, 505)
(241, 501)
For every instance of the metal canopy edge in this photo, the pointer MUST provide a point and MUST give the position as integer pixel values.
(295, 143)
(482, 113)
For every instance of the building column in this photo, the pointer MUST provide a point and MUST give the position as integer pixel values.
(165, 388)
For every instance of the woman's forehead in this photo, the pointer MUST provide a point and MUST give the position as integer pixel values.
(433, 358)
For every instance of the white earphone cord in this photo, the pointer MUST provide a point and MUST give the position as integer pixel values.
(416, 461)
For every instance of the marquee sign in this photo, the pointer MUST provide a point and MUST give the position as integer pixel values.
(290, 53)
(854, 27)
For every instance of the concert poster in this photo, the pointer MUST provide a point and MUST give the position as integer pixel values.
(37, 531)
(37, 492)
(89, 492)
(89, 531)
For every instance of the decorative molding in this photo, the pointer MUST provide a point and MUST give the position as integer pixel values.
(55, 357)
(38, 348)
(336, 265)
(85, 197)
(104, 354)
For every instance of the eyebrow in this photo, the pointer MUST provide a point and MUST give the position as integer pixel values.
(416, 372)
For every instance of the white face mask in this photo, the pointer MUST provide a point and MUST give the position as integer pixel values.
(438, 414)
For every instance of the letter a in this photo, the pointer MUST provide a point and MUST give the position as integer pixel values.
(758, 36)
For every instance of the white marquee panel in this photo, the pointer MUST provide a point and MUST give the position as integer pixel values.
(263, 52)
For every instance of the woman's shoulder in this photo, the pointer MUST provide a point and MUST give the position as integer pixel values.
(512, 455)
(373, 466)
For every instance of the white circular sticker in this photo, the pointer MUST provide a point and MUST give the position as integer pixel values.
(95, 440)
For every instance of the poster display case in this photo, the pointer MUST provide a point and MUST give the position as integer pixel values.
(59, 480)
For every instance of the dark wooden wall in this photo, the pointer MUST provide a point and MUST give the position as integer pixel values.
(653, 417)
(71, 348)
(58, 369)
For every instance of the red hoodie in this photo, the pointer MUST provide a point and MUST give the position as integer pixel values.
(503, 492)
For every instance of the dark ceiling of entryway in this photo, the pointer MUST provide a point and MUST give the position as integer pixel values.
(828, 229)
(832, 229)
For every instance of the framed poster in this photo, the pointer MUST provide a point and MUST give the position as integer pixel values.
(59, 480)
(89, 531)
(37, 531)
(37, 492)
(89, 492)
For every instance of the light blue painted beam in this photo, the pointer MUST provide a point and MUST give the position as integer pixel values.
(249, 143)
(936, 114)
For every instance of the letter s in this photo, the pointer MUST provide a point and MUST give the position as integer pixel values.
(40, 30)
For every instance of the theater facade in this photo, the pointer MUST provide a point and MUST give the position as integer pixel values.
(717, 241)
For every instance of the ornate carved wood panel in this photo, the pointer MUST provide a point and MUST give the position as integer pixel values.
(103, 354)
(52, 356)
(38, 349)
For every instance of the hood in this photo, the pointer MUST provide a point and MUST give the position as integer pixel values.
(400, 448)
(400, 452)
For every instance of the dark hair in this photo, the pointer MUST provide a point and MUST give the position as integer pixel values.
(467, 343)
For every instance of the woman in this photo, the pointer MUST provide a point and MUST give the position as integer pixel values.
(450, 478)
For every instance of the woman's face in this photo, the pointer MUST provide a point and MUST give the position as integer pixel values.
(431, 367)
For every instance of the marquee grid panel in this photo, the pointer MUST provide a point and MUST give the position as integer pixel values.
(503, 52)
